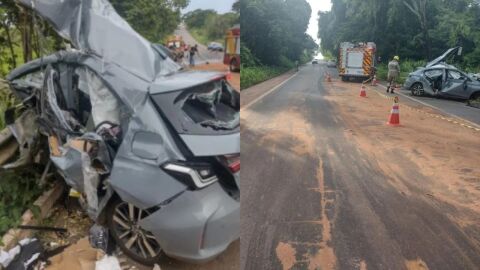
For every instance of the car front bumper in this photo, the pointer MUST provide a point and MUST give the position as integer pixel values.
(408, 83)
(198, 225)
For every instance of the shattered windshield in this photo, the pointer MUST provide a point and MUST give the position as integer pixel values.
(208, 109)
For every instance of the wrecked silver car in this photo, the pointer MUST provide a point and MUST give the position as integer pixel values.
(443, 80)
(154, 151)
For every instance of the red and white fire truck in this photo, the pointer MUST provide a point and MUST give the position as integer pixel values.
(356, 60)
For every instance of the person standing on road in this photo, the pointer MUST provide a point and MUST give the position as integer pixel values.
(193, 50)
(393, 72)
(296, 64)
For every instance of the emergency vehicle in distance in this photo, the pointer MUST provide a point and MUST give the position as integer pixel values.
(232, 48)
(356, 60)
(177, 47)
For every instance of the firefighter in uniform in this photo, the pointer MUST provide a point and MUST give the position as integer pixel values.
(393, 72)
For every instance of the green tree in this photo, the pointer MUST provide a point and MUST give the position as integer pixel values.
(413, 29)
(210, 23)
(198, 17)
(153, 19)
(236, 7)
(274, 30)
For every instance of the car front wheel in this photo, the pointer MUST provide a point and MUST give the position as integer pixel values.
(137, 243)
(417, 89)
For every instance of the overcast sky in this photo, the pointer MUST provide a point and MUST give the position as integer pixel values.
(221, 6)
(316, 5)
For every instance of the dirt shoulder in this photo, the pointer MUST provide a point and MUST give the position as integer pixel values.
(443, 154)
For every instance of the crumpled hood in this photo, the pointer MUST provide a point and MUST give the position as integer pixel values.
(94, 26)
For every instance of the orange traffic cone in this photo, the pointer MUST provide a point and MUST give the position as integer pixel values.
(374, 80)
(363, 93)
(394, 119)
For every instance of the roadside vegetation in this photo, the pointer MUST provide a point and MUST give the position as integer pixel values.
(18, 190)
(433, 27)
(208, 26)
(273, 38)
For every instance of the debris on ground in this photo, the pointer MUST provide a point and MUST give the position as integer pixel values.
(108, 263)
(23, 256)
(78, 256)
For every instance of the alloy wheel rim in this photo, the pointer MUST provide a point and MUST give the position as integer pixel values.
(136, 239)
(416, 90)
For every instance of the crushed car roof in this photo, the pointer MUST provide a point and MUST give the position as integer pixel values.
(94, 26)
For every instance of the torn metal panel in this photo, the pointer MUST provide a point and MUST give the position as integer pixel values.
(82, 161)
(91, 181)
(444, 56)
(58, 116)
(105, 107)
(94, 26)
(25, 131)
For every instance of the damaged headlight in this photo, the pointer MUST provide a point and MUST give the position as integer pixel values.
(194, 174)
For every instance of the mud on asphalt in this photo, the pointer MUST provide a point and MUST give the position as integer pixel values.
(339, 189)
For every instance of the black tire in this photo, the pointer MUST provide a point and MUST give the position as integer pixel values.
(233, 65)
(474, 100)
(417, 89)
(143, 245)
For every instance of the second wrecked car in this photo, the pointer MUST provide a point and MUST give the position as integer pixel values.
(155, 151)
(443, 80)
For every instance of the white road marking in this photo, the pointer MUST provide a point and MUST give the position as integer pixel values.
(267, 93)
(434, 107)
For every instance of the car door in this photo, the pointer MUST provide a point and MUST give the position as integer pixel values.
(430, 79)
(455, 85)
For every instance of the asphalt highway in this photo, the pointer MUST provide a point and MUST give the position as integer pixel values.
(312, 199)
